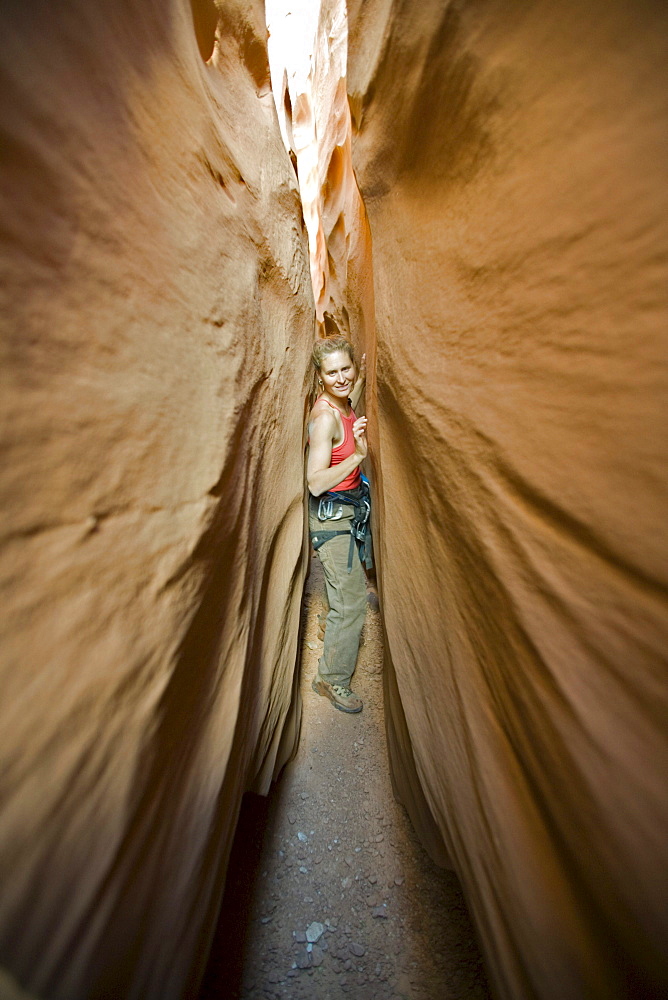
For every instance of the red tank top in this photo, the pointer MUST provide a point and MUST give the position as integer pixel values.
(343, 450)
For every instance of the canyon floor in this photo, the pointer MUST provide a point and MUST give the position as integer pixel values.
(329, 892)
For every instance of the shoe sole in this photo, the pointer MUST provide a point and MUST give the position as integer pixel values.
(325, 694)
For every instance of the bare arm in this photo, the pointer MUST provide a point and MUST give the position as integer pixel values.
(358, 388)
(322, 431)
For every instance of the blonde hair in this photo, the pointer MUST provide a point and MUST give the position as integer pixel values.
(328, 345)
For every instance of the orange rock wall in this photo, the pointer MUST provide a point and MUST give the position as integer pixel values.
(156, 320)
(513, 161)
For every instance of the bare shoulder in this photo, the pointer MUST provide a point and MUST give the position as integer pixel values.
(322, 421)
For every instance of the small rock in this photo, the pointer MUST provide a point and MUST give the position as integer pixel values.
(399, 880)
(312, 645)
(303, 960)
(379, 911)
(302, 836)
(314, 932)
(356, 949)
(379, 838)
(265, 920)
(317, 956)
(299, 936)
(303, 870)
(292, 818)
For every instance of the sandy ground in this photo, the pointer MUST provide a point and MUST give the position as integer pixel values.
(329, 892)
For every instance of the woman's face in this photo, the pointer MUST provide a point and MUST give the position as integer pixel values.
(337, 373)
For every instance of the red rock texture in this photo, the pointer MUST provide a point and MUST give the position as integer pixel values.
(513, 162)
(156, 318)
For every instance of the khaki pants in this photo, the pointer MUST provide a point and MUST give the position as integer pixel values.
(346, 593)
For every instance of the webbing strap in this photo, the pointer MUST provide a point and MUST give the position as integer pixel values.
(320, 537)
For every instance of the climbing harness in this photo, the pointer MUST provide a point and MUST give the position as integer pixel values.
(360, 533)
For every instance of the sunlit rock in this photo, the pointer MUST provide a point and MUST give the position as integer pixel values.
(307, 46)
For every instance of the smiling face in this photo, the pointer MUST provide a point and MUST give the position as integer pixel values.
(337, 373)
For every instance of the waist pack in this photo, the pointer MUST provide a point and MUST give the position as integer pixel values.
(329, 507)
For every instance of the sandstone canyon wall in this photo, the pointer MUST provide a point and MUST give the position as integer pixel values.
(157, 320)
(513, 162)
(308, 50)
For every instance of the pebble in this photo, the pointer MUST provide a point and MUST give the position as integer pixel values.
(302, 836)
(379, 911)
(299, 936)
(314, 931)
(303, 870)
(356, 949)
(317, 956)
(292, 818)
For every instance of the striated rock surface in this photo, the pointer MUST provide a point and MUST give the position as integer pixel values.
(308, 48)
(513, 163)
(156, 320)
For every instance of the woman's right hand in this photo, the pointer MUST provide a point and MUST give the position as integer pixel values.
(359, 433)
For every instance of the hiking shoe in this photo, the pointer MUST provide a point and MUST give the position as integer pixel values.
(341, 697)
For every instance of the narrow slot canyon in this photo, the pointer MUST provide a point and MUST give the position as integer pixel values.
(330, 854)
(192, 194)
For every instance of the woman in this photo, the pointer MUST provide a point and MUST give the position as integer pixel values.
(337, 508)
